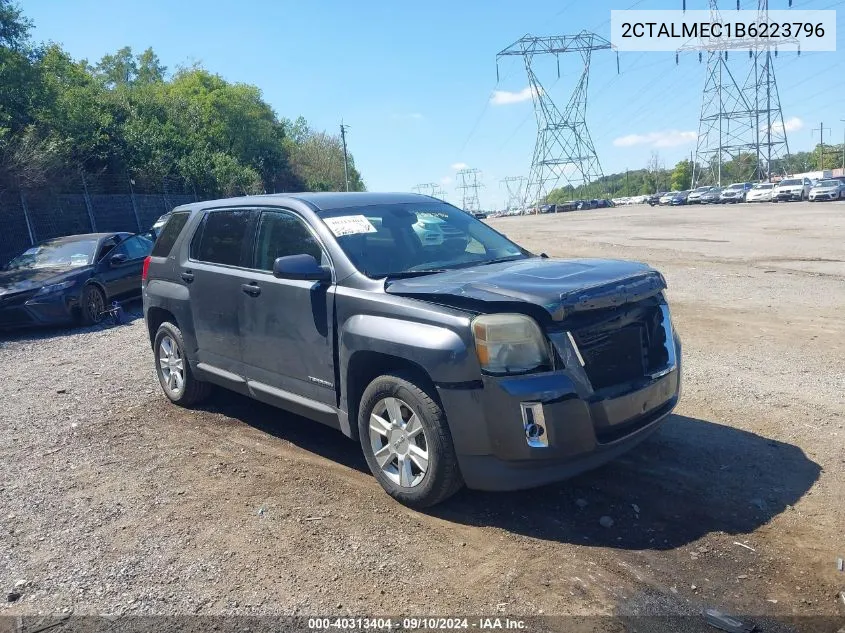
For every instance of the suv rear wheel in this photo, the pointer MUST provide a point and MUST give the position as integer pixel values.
(406, 442)
(173, 369)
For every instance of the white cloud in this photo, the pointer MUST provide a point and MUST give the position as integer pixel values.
(505, 97)
(792, 124)
(415, 116)
(663, 138)
(459, 166)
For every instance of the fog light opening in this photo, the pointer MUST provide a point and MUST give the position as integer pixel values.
(534, 424)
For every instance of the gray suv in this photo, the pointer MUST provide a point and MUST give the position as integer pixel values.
(464, 361)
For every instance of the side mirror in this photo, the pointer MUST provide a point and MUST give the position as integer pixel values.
(117, 259)
(302, 267)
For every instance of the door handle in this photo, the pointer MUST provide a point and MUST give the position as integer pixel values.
(253, 290)
(187, 276)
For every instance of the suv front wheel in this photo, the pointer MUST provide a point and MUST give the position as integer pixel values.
(406, 442)
(173, 369)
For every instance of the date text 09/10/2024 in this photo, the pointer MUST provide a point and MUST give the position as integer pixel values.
(416, 624)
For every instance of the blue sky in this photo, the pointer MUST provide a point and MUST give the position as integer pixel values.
(415, 81)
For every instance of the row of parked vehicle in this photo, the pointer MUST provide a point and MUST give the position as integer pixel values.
(783, 191)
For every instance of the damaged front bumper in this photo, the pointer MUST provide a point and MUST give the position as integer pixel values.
(518, 432)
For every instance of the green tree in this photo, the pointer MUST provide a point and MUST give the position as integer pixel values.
(682, 176)
(150, 68)
(125, 117)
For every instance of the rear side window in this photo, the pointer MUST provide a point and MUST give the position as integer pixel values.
(222, 237)
(167, 237)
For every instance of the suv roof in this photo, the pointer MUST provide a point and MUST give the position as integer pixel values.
(322, 201)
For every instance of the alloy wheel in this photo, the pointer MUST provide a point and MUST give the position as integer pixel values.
(95, 305)
(398, 440)
(172, 365)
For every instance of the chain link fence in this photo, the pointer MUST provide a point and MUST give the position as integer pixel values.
(30, 216)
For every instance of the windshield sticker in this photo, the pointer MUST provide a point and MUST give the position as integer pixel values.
(32, 251)
(79, 259)
(349, 225)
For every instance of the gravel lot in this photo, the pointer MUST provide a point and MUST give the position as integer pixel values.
(115, 501)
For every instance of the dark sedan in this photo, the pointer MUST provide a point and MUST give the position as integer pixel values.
(71, 278)
(679, 198)
(712, 196)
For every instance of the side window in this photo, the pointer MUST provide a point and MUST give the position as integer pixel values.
(167, 238)
(222, 237)
(106, 248)
(135, 247)
(281, 234)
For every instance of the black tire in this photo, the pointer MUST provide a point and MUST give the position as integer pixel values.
(442, 477)
(191, 391)
(92, 305)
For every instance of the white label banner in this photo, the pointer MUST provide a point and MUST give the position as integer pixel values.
(349, 225)
(674, 30)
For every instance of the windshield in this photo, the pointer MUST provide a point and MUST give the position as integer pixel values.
(416, 238)
(738, 185)
(828, 183)
(56, 254)
(790, 182)
(763, 186)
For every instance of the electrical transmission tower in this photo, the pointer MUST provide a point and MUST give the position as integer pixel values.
(430, 189)
(468, 185)
(741, 120)
(515, 186)
(564, 149)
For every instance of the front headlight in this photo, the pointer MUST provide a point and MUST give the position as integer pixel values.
(509, 343)
(45, 290)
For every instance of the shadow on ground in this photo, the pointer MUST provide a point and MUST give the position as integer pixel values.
(308, 435)
(692, 478)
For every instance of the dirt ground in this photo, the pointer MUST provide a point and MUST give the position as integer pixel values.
(115, 501)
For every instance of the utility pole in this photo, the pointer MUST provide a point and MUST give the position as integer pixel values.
(469, 186)
(427, 189)
(843, 148)
(515, 186)
(343, 129)
(627, 187)
(739, 117)
(821, 130)
(564, 149)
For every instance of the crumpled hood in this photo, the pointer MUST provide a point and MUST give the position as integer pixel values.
(14, 281)
(559, 286)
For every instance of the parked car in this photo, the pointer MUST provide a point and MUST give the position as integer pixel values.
(792, 189)
(479, 215)
(679, 198)
(666, 198)
(72, 278)
(832, 189)
(712, 196)
(155, 229)
(761, 192)
(735, 192)
(477, 363)
(694, 196)
(654, 198)
(564, 207)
